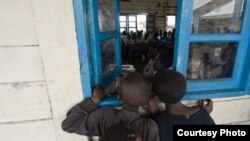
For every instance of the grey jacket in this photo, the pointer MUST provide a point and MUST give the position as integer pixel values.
(87, 119)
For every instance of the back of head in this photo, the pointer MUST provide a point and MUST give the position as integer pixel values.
(119, 132)
(169, 85)
(134, 89)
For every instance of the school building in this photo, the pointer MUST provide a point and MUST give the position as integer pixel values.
(53, 52)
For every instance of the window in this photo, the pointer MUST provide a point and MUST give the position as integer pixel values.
(170, 22)
(97, 23)
(133, 22)
(123, 23)
(213, 47)
(141, 22)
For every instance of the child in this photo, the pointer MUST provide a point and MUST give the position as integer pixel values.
(170, 86)
(121, 132)
(86, 118)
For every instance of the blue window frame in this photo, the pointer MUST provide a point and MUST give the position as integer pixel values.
(187, 40)
(99, 43)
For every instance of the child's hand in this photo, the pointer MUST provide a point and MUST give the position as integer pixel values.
(98, 95)
(153, 105)
(208, 105)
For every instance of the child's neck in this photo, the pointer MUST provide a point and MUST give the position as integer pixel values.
(181, 109)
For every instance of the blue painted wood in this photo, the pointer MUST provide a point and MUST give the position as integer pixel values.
(110, 101)
(96, 57)
(118, 41)
(215, 37)
(184, 18)
(108, 35)
(245, 81)
(213, 94)
(242, 70)
(203, 85)
(83, 47)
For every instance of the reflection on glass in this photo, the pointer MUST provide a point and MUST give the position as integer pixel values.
(217, 16)
(106, 15)
(132, 18)
(132, 24)
(108, 57)
(211, 60)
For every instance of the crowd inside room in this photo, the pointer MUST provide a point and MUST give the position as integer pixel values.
(138, 47)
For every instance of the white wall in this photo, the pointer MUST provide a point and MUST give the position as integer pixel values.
(167, 7)
(231, 110)
(39, 75)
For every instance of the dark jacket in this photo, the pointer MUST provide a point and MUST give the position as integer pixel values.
(87, 119)
(166, 121)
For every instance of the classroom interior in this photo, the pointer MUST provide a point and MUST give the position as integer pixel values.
(199, 39)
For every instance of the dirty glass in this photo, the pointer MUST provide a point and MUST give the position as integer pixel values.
(217, 16)
(108, 57)
(106, 15)
(211, 60)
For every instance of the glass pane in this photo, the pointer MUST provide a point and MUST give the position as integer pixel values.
(123, 24)
(122, 29)
(141, 22)
(108, 57)
(132, 29)
(170, 23)
(132, 24)
(123, 18)
(106, 15)
(211, 60)
(217, 16)
(132, 18)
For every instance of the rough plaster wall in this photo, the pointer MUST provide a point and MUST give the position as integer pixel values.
(231, 110)
(39, 75)
(24, 105)
(58, 45)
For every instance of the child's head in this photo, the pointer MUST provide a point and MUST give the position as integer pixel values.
(169, 85)
(121, 132)
(134, 89)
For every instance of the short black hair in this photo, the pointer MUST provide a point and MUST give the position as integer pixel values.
(169, 85)
(135, 89)
(119, 132)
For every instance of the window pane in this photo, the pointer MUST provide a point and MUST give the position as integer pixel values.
(132, 29)
(106, 15)
(122, 29)
(123, 18)
(211, 60)
(141, 22)
(123, 24)
(170, 23)
(108, 57)
(132, 24)
(132, 18)
(217, 16)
